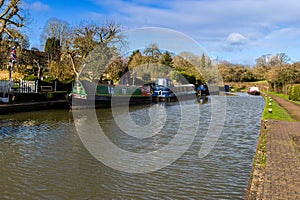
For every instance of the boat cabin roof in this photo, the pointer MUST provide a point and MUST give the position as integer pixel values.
(164, 82)
(253, 89)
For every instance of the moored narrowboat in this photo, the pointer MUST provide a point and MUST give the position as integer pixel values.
(165, 90)
(107, 95)
(253, 91)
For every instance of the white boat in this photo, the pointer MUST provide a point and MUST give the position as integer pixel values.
(253, 91)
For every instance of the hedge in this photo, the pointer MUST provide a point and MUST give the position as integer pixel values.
(41, 96)
(294, 92)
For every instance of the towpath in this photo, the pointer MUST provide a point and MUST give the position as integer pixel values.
(292, 108)
(282, 174)
(281, 177)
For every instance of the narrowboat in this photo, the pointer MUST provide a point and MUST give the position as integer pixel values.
(165, 90)
(253, 91)
(106, 95)
(202, 93)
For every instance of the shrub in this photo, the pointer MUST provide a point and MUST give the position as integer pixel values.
(30, 77)
(41, 96)
(294, 92)
(290, 92)
(28, 97)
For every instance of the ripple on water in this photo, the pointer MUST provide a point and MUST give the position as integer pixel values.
(42, 157)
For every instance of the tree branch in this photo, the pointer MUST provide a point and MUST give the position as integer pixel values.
(1, 3)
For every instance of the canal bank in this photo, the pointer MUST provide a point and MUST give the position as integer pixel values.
(7, 108)
(276, 169)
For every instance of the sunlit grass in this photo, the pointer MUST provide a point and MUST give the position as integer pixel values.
(284, 96)
(261, 150)
(261, 82)
(278, 112)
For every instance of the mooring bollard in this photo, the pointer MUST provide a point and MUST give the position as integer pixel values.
(270, 110)
(265, 123)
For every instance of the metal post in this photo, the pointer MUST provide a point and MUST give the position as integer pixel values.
(10, 69)
(55, 85)
(36, 86)
(10, 77)
(133, 77)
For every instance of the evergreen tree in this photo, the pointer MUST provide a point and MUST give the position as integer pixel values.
(52, 48)
(167, 59)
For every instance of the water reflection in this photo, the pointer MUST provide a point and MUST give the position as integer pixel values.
(42, 157)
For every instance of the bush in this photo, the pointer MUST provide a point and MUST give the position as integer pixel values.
(60, 86)
(28, 97)
(290, 92)
(30, 77)
(41, 96)
(294, 92)
(56, 95)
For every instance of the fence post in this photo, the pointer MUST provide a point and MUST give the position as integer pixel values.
(36, 86)
(55, 84)
(21, 86)
(11, 85)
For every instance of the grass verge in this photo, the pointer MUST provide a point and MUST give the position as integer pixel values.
(255, 184)
(278, 112)
(261, 149)
(284, 96)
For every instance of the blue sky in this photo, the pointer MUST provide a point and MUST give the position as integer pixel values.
(238, 31)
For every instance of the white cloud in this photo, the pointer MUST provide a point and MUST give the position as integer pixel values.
(236, 39)
(235, 42)
(38, 6)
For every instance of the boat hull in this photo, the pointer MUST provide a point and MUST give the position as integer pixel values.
(254, 93)
(109, 101)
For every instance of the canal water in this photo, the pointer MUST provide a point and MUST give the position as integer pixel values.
(42, 156)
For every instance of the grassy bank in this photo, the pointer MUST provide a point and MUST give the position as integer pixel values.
(284, 96)
(255, 185)
(278, 112)
(243, 86)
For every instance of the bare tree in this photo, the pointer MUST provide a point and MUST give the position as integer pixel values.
(152, 53)
(280, 59)
(85, 38)
(58, 29)
(268, 61)
(10, 18)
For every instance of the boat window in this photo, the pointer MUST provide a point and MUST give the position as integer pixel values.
(164, 82)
